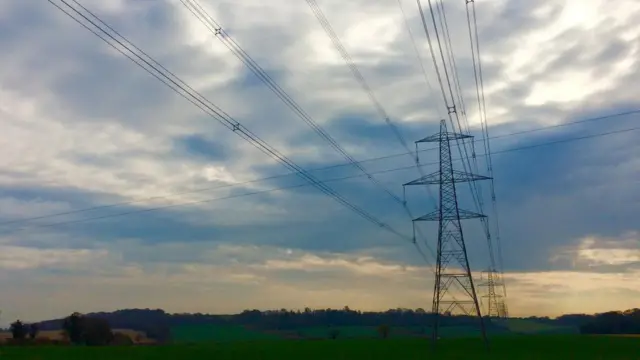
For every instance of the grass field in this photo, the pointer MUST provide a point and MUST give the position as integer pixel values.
(511, 348)
(524, 326)
(200, 333)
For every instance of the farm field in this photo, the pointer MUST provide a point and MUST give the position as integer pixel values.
(203, 333)
(523, 326)
(199, 333)
(512, 348)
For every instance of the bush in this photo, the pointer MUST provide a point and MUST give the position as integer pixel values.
(19, 330)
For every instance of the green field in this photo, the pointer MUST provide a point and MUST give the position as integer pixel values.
(524, 326)
(372, 331)
(199, 333)
(508, 348)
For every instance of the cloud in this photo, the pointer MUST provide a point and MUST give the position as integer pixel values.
(199, 146)
(83, 127)
(20, 258)
(562, 292)
(188, 277)
(608, 254)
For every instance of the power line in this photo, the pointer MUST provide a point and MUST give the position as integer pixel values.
(496, 136)
(482, 111)
(448, 46)
(235, 126)
(328, 29)
(522, 148)
(214, 111)
(159, 197)
(451, 109)
(569, 123)
(218, 31)
(497, 305)
(428, 85)
(430, 90)
(476, 195)
(442, 17)
(365, 86)
(418, 56)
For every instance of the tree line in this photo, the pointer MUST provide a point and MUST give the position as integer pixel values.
(613, 322)
(76, 329)
(157, 323)
(92, 331)
(20, 330)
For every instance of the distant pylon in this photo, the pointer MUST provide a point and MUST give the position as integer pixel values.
(496, 306)
(452, 263)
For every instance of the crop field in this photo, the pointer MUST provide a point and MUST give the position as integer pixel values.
(524, 326)
(205, 333)
(509, 347)
(221, 333)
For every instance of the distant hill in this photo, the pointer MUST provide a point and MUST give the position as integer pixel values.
(160, 325)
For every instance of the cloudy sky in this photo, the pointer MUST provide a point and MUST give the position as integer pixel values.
(81, 126)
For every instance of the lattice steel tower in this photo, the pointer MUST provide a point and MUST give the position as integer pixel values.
(496, 306)
(452, 263)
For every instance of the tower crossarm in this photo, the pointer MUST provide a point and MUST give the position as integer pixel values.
(458, 176)
(435, 216)
(444, 136)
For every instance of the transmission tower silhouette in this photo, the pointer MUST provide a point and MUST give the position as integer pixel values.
(452, 263)
(496, 306)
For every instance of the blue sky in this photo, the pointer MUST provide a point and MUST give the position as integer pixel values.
(82, 127)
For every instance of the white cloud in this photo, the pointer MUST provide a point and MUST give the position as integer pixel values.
(358, 265)
(236, 276)
(77, 116)
(594, 251)
(555, 293)
(21, 258)
(597, 256)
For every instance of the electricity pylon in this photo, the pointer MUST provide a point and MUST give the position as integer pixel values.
(452, 263)
(496, 306)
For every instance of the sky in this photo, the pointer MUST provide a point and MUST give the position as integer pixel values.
(84, 127)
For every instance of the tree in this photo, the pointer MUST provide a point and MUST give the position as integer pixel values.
(334, 333)
(33, 331)
(18, 330)
(97, 331)
(384, 330)
(73, 328)
(87, 330)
